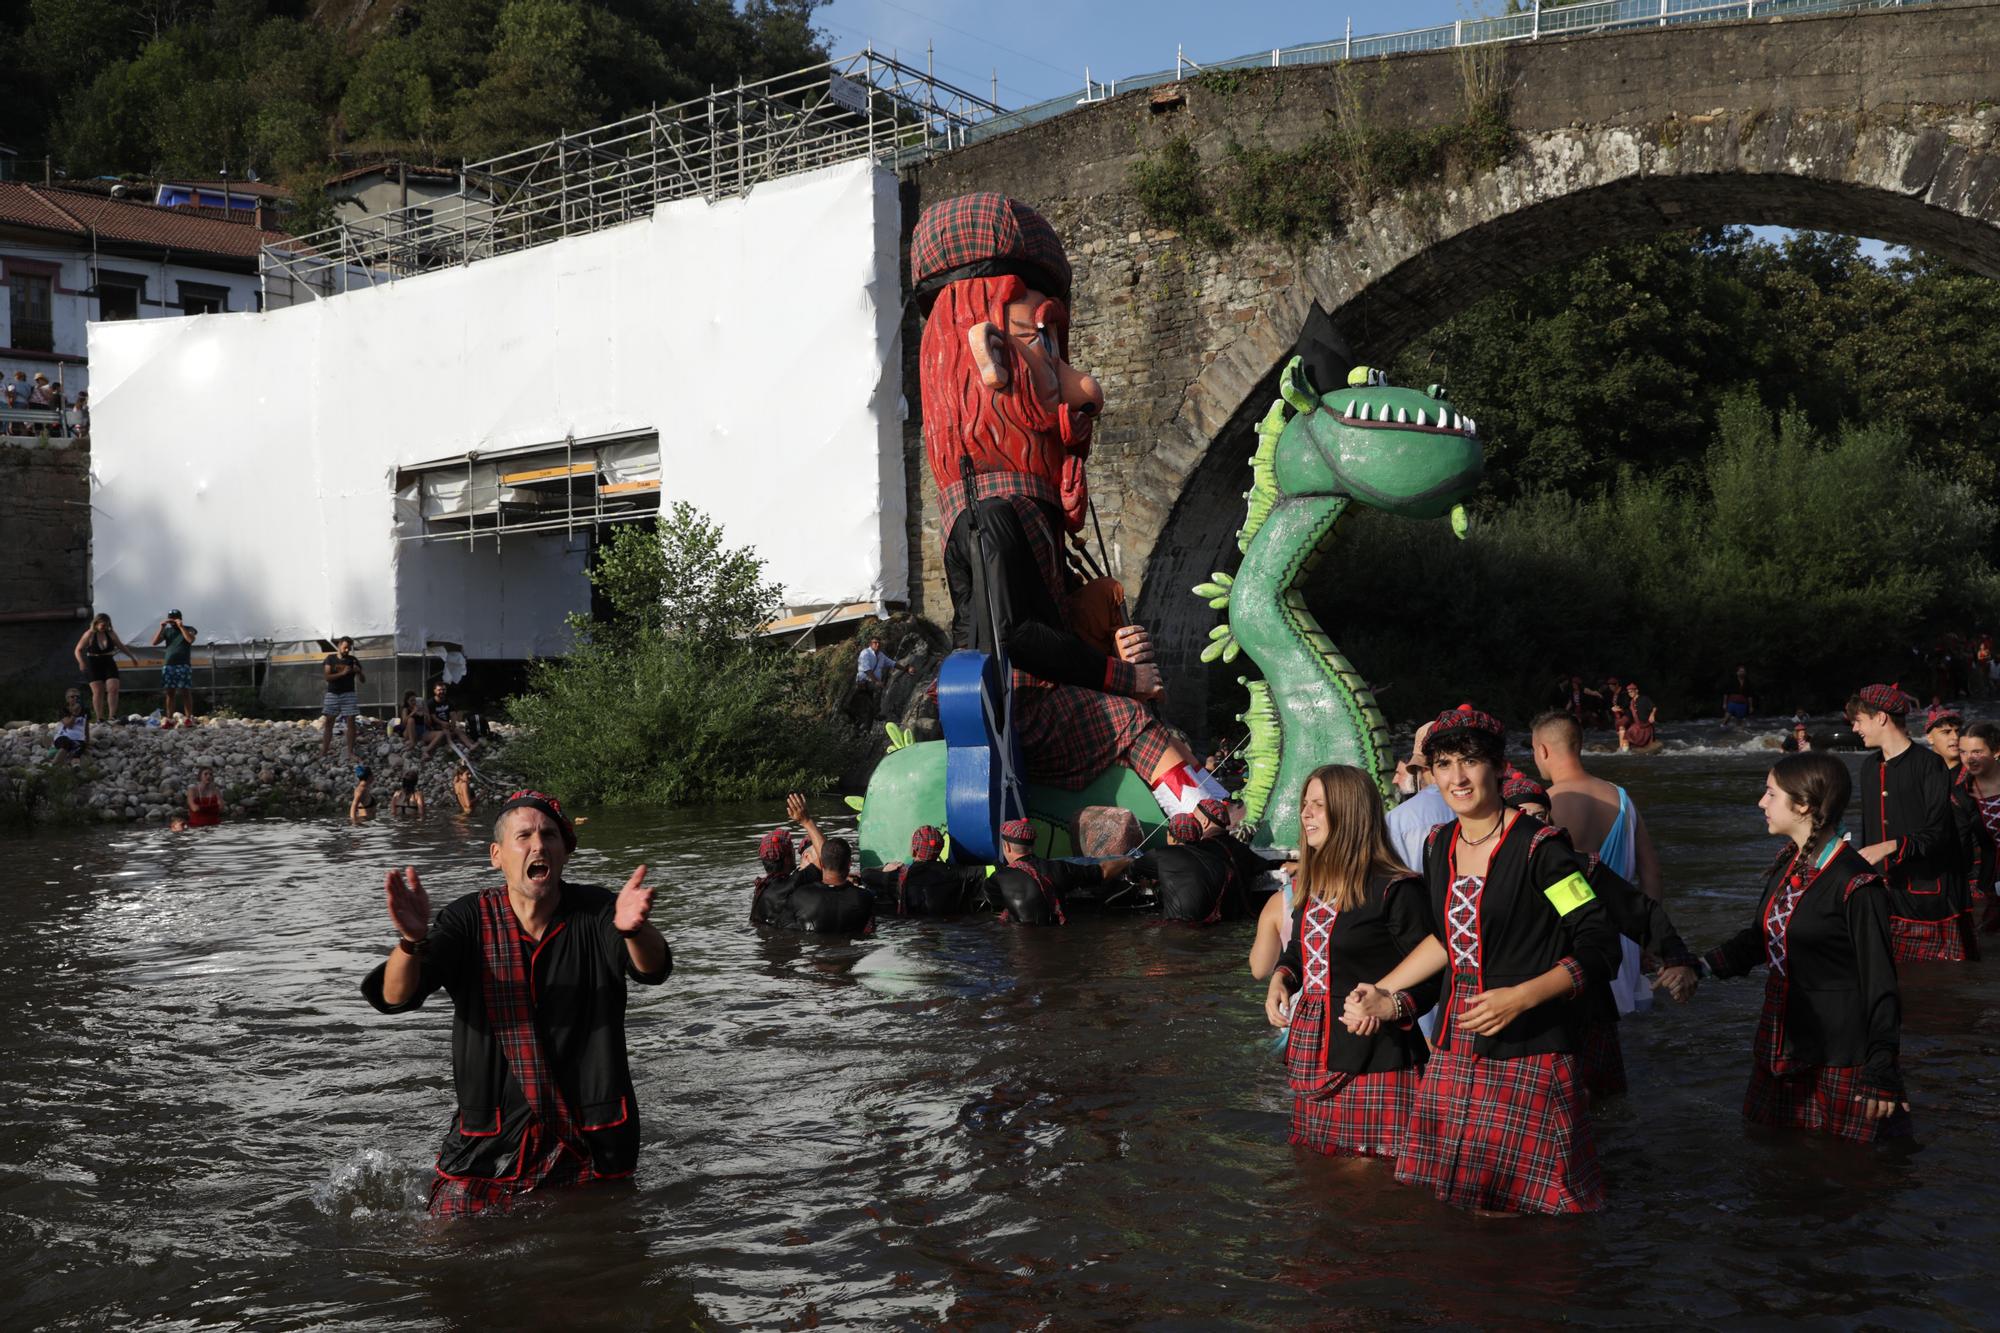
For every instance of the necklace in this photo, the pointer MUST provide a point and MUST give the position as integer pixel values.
(1474, 842)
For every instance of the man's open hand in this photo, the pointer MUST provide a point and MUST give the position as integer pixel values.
(635, 902)
(409, 907)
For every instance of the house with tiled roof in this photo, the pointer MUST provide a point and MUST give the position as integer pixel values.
(70, 257)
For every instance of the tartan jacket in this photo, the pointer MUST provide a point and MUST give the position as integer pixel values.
(580, 967)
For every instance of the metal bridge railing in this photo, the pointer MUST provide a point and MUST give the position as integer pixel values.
(864, 105)
(716, 146)
(1538, 21)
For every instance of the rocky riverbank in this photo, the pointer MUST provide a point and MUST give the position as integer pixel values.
(137, 773)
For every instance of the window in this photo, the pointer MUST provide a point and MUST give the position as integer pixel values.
(30, 303)
(118, 294)
(199, 298)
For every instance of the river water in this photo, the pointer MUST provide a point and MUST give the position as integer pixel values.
(954, 1124)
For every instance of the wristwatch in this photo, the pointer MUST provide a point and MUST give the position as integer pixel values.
(415, 948)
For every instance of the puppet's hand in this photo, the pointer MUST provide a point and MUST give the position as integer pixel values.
(989, 353)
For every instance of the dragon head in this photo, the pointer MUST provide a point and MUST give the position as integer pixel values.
(1399, 450)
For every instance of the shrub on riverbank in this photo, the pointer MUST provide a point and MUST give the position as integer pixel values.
(666, 697)
(1818, 563)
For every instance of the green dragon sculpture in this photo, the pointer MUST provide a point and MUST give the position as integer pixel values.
(1399, 450)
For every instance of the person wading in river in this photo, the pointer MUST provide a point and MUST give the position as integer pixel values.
(1907, 833)
(1825, 1054)
(1500, 1120)
(536, 969)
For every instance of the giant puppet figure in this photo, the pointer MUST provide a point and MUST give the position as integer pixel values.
(1007, 426)
(1002, 404)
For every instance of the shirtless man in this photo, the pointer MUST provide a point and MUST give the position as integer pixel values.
(1589, 810)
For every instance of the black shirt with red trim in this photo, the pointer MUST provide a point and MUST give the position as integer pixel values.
(1365, 944)
(1907, 801)
(1843, 1006)
(578, 969)
(1523, 933)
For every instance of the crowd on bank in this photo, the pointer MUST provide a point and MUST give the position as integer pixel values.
(44, 394)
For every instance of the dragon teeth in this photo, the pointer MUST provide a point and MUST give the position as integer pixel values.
(1402, 416)
(1422, 420)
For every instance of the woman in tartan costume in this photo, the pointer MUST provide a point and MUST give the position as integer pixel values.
(1500, 1120)
(1356, 912)
(1825, 1054)
(1007, 427)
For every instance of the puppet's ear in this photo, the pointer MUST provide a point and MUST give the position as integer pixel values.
(989, 353)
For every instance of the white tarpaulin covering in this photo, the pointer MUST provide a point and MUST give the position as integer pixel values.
(243, 465)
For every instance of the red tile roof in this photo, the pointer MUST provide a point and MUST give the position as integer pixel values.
(121, 220)
(391, 168)
(248, 189)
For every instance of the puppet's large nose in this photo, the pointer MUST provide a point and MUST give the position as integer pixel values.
(1079, 392)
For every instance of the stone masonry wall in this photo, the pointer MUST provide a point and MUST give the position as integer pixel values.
(45, 569)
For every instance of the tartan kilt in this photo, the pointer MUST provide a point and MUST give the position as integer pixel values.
(1823, 1098)
(1509, 1135)
(1359, 1115)
(1948, 941)
(1602, 1061)
(458, 1196)
(1069, 734)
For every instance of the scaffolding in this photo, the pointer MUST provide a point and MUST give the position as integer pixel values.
(719, 146)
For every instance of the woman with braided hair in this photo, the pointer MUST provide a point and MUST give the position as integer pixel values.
(1500, 1121)
(1825, 1054)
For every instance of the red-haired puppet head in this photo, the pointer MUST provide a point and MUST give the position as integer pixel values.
(994, 367)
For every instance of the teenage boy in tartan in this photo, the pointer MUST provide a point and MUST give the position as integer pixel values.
(536, 969)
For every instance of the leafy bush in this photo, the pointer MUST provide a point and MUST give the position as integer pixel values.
(667, 697)
(1815, 562)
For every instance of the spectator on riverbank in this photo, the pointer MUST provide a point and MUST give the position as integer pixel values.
(177, 667)
(343, 675)
(97, 657)
(413, 720)
(443, 726)
(72, 729)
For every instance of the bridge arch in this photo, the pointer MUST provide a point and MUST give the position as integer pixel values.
(1869, 124)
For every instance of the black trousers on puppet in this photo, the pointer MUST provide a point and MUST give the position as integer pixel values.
(1018, 565)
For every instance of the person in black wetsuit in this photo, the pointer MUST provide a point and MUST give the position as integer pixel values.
(1254, 877)
(1196, 879)
(781, 871)
(1031, 888)
(927, 886)
(829, 903)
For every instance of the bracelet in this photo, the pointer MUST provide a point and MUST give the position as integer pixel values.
(415, 948)
(1406, 1008)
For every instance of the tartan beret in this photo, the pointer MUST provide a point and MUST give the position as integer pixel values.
(1519, 789)
(985, 235)
(1018, 831)
(1214, 811)
(1888, 699)
(925, 844)
(548, 805)
(1940, 715)
(1464, 718)
(1184, 828)
(775, 849)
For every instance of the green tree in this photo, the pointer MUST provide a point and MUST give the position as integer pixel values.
(670, 697)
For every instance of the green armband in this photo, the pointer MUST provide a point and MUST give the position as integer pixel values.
(1568, 894)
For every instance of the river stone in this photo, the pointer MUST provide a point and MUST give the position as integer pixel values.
(1106, 830)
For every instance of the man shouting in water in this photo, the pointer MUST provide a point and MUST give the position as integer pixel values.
(536, 970)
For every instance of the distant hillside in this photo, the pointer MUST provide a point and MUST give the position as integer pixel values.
(287, 91)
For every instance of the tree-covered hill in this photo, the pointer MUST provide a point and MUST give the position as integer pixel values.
(194, 87)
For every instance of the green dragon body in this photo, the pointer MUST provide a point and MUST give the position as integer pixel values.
(1395, 449)
(1398, 450)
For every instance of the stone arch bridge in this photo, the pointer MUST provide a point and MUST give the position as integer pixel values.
(1880, 124)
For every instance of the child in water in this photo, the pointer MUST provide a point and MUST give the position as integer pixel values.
(362, 804)
(407, 800)
(461, 787)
